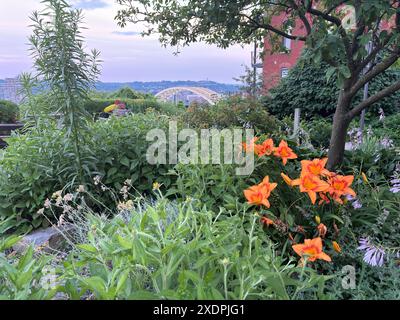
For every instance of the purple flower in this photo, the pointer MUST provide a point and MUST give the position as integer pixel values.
(357, 204)
(395, 189)
(395, 181)
(374, 255)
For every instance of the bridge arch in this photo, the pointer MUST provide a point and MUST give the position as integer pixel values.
(209, 95)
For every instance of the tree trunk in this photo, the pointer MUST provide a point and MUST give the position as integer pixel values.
(341, 122)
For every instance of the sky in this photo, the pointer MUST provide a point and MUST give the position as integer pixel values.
(126, 55)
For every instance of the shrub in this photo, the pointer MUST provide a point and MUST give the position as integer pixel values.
(8, 112)
(170, 251)
(306, 87)
(39, 163)
(211, 185)
(233, 112)
(159, 250)
(127, 93)
(319, 130)
(23, 277)
(97, 105)
(388, 127)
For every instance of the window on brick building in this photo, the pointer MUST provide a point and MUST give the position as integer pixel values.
(287, 43)
(284, 72)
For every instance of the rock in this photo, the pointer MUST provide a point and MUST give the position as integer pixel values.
(48, 239)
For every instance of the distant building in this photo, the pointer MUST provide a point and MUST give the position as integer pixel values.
(277, 65)
(9, 89)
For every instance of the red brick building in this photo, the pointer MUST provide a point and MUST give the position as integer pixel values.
(277, 65)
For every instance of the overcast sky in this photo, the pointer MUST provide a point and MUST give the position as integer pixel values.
(126, 55)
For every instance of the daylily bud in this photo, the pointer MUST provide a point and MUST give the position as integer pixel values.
(317, 219)
(336, 247)
(322, 229)
(364, 176)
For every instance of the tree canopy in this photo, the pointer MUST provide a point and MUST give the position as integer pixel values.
(336, 32)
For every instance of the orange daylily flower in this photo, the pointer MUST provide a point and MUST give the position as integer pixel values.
(336, 247)
(260, 193)
(266, 148)
(267, 221)
(322, 230)
(312, 249)
(340, 186)
(315, 167)
(287, 179)
(268, 186)
(311, 184)
(324, 198)
(250, 147)
(283, 151)
(257, 196)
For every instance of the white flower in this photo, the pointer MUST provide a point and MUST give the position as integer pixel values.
(47, 204)
(68, 197)
(96, 180)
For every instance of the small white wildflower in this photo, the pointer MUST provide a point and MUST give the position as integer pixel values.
(57, 194)
(47, 203)
(81, 188)
(96, 180)
(68, 197)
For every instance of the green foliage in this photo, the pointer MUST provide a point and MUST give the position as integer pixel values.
(39, 163)
(128, 93)
(8, 112)
(233, 112)
(307, 88)
(320, 131)
(97, 105)
(210, 185)
(57, 48)
(389, 128)
(372, 283)
(166, 251)
(22, 275)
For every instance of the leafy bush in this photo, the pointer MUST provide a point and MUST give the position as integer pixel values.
(161, 250)
(22, 277)
(128, 93)
(319, 130)
(97, 105)
(169, 251)
(306, 87)
(8, 111)
(211, 185)
(39, 163)
(233, 112)
(388, 127)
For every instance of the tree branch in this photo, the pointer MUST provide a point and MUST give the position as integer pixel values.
(371, 100)
(379, 68)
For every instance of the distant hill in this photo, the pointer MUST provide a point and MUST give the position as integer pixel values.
(157, 86)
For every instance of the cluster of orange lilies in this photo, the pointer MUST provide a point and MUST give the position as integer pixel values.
(314, 180)
(267, 148)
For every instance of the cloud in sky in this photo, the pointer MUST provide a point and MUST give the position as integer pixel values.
(89, 4)
(126, 56)
(126, 33)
